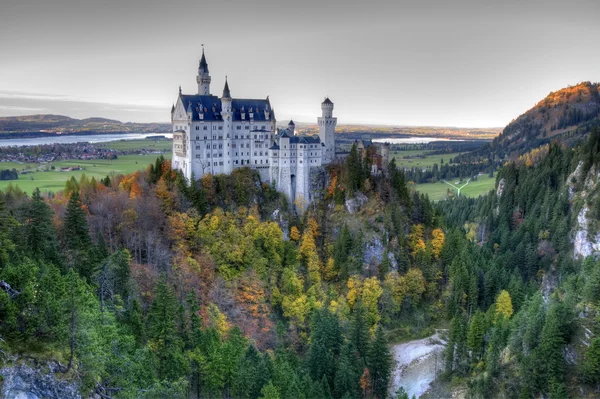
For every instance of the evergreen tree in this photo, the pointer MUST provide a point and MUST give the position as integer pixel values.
(163, 333)
(380, 364)
(39, 235)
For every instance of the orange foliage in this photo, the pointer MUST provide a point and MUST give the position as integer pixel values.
(136, 190)
(332, 186)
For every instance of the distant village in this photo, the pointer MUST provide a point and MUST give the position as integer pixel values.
(62, 152)
(49, 153)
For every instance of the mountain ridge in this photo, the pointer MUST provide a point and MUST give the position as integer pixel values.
(565, 115)
(42, 124)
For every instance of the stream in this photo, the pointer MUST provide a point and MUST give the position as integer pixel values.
(416, 364)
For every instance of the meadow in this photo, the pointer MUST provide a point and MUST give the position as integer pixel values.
(439, 191)
(416, 159)
(48, 180)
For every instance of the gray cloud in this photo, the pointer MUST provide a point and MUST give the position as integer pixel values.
(434, 62)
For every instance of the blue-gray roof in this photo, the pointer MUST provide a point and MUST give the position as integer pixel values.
(305, 140)
(239, 105)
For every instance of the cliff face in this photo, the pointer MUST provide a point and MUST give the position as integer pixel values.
(23, 381)
(586, 240)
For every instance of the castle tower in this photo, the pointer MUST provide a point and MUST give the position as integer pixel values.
(203, 78)
(327, 125)
(292, 128)
(227, 115)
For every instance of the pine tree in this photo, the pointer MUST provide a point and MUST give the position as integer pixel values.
(380, 364)
(591, 362)
(39, 235)
(359, 331)
(6, 224)
(346, 375)
(163, 334)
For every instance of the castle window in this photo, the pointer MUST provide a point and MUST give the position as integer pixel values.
(238, 127)
(198, 156)
(220, 127)
(221, 163)
(267, 161)
(214, 127)
(208, 155)
(254, 153)
(197, 127)
(263, 127)
(255, 162)
(300, 161)
(204, 137)
(247, 127)
(205, 127)
(220, 146)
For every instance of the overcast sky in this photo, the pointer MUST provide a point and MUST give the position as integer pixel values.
(475, 63)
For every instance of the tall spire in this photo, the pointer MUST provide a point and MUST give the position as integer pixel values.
(203, 78)
(226, 92)
(203, 64)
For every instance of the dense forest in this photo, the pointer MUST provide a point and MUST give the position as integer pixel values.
(146, 286)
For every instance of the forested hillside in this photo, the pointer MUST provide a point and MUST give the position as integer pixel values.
(141, 286)
(565, 115)
(541, 335)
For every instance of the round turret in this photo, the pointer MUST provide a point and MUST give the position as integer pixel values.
(327, 108)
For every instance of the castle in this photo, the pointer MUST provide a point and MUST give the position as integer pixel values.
(213, 135)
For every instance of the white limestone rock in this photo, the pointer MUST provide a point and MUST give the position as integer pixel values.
(353, 205)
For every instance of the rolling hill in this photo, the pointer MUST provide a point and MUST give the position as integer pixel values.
(565, 115)
(40, 125)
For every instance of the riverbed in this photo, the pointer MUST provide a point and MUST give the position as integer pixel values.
(417, 363)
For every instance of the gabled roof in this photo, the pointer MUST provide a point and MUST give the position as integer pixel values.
(291, 123)
(239, 106)
(327, 101)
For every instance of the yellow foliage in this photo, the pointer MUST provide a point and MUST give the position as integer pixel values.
(217, 320)
(354, 290)
(330, 272)
(294, 233)
(415, 240)
(437, 242)
(504, 305)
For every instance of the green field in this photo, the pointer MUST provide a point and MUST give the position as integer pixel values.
(438, 191)
(426, 162)
(158, 145)
(54, 180)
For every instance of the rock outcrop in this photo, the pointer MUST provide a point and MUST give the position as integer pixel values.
(26, 382)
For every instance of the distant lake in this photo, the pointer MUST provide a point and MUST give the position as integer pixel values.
(68, 139)
(412, 140)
